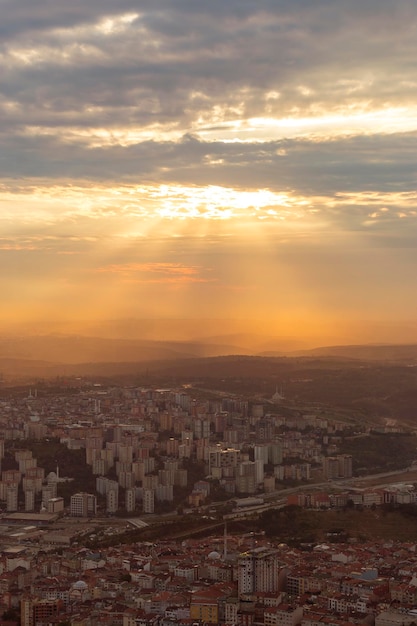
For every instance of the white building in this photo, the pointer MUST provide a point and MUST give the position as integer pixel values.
(261, 453)
(11, 497)
(112, 501)
(258, 571)
(55, 505)
(130, 500)
(83, 504)
(148, 501)
(29, 500)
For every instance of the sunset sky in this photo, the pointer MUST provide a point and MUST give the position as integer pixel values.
(224, 159)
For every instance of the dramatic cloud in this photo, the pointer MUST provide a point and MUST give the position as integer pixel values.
(261, 155)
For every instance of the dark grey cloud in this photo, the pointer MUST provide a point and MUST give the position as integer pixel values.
(190, 66)
(25, 17)
(360, 164)
(175, 48)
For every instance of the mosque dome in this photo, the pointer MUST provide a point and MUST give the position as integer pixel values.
(80, 585)
(214, 555)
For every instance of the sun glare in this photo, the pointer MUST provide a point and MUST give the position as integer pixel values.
(326, 125)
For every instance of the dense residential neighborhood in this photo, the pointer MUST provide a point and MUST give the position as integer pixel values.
(149, 459)
(222, 579)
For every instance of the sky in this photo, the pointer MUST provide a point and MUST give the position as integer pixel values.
(222, 160)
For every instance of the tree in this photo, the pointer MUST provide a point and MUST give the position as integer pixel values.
(11, 615)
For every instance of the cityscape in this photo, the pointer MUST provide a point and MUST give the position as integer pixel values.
(135, 506)
(208, 313)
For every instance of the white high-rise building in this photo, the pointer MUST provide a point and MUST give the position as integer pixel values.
(261, 452)
(48, 492)
(259, 472)
(148, 501)
(219, 457)
(258, 571)
(100, 467)
(83, 504)
(126, 479)
(11, 497)
(104, 485)
(112, 501)
(275, 453)
(150, 482)
(130, 499)
(164, 493)
(125, 453)
(29, 500)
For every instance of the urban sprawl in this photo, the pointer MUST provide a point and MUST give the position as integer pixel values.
(148, 458)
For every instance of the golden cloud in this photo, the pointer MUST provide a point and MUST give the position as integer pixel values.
(147, 273)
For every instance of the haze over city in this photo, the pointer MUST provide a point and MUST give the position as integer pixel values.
(219, 167)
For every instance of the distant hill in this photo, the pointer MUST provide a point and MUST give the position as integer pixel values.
(27, 368)
(77, 349)
(366, 352)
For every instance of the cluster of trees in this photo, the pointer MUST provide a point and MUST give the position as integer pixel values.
(380, 452)
(50, 453)
(291, 524)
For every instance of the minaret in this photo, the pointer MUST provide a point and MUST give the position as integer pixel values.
(225, 542)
